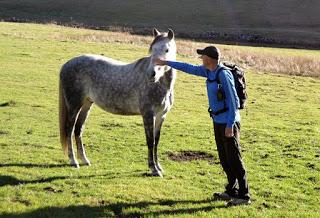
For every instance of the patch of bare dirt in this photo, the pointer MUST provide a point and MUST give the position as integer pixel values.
(190, 156)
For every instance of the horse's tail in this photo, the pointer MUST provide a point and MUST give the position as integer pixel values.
(62, 119)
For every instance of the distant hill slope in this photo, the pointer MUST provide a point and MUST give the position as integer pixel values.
(276, 22)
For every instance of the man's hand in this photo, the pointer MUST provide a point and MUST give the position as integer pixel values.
(158, 61)
(229, 132)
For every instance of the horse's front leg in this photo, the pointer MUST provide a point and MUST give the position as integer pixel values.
(158, 124)
(149, 126)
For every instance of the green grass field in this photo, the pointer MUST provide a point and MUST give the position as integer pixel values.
(280, 140)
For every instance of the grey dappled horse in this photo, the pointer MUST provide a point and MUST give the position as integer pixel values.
(138, 88)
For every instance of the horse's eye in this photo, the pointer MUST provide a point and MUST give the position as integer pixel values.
(167, 50)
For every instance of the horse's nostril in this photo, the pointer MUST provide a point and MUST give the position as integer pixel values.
(153, 74)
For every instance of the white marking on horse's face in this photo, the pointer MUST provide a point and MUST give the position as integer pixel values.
(165, 49)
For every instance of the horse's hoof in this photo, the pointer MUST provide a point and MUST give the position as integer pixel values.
(75, 165)
(159, 168)
(157, 173)
(86, 162)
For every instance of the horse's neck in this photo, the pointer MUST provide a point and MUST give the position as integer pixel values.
(144, 63)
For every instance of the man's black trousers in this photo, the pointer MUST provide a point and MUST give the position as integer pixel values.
(231, 161)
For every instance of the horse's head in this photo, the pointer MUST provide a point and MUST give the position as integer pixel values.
(164, 47)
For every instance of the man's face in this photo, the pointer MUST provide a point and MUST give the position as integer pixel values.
(207, 61)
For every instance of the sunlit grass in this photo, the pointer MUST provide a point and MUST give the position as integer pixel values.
(280, 138)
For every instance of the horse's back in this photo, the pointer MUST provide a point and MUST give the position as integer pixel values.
(91, 69)
(104, 59)
(96, 63)
(111, 84)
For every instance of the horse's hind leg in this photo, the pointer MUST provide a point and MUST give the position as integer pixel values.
(79, 129)
(149, 124)
(72, 117)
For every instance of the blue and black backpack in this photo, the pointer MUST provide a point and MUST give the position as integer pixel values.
(239, 82)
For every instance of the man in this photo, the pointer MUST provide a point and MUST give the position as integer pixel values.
(224, 104)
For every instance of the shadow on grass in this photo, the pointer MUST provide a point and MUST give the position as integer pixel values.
(13, 181)
(119, 209)
(105, 209)
(31, 165)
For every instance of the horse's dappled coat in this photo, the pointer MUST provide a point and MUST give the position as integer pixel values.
(138, 88)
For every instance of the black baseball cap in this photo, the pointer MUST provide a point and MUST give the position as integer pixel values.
(211, 51)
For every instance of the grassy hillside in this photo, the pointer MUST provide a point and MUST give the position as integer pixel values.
(287, 22)
(280, 138)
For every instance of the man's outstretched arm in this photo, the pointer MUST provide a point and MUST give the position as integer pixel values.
(185, 67)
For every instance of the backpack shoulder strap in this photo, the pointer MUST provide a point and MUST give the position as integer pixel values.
(218, 73)
(217, 79)
(209, 80)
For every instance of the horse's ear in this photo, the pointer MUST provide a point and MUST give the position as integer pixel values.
(156, 32)
(170, 34)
